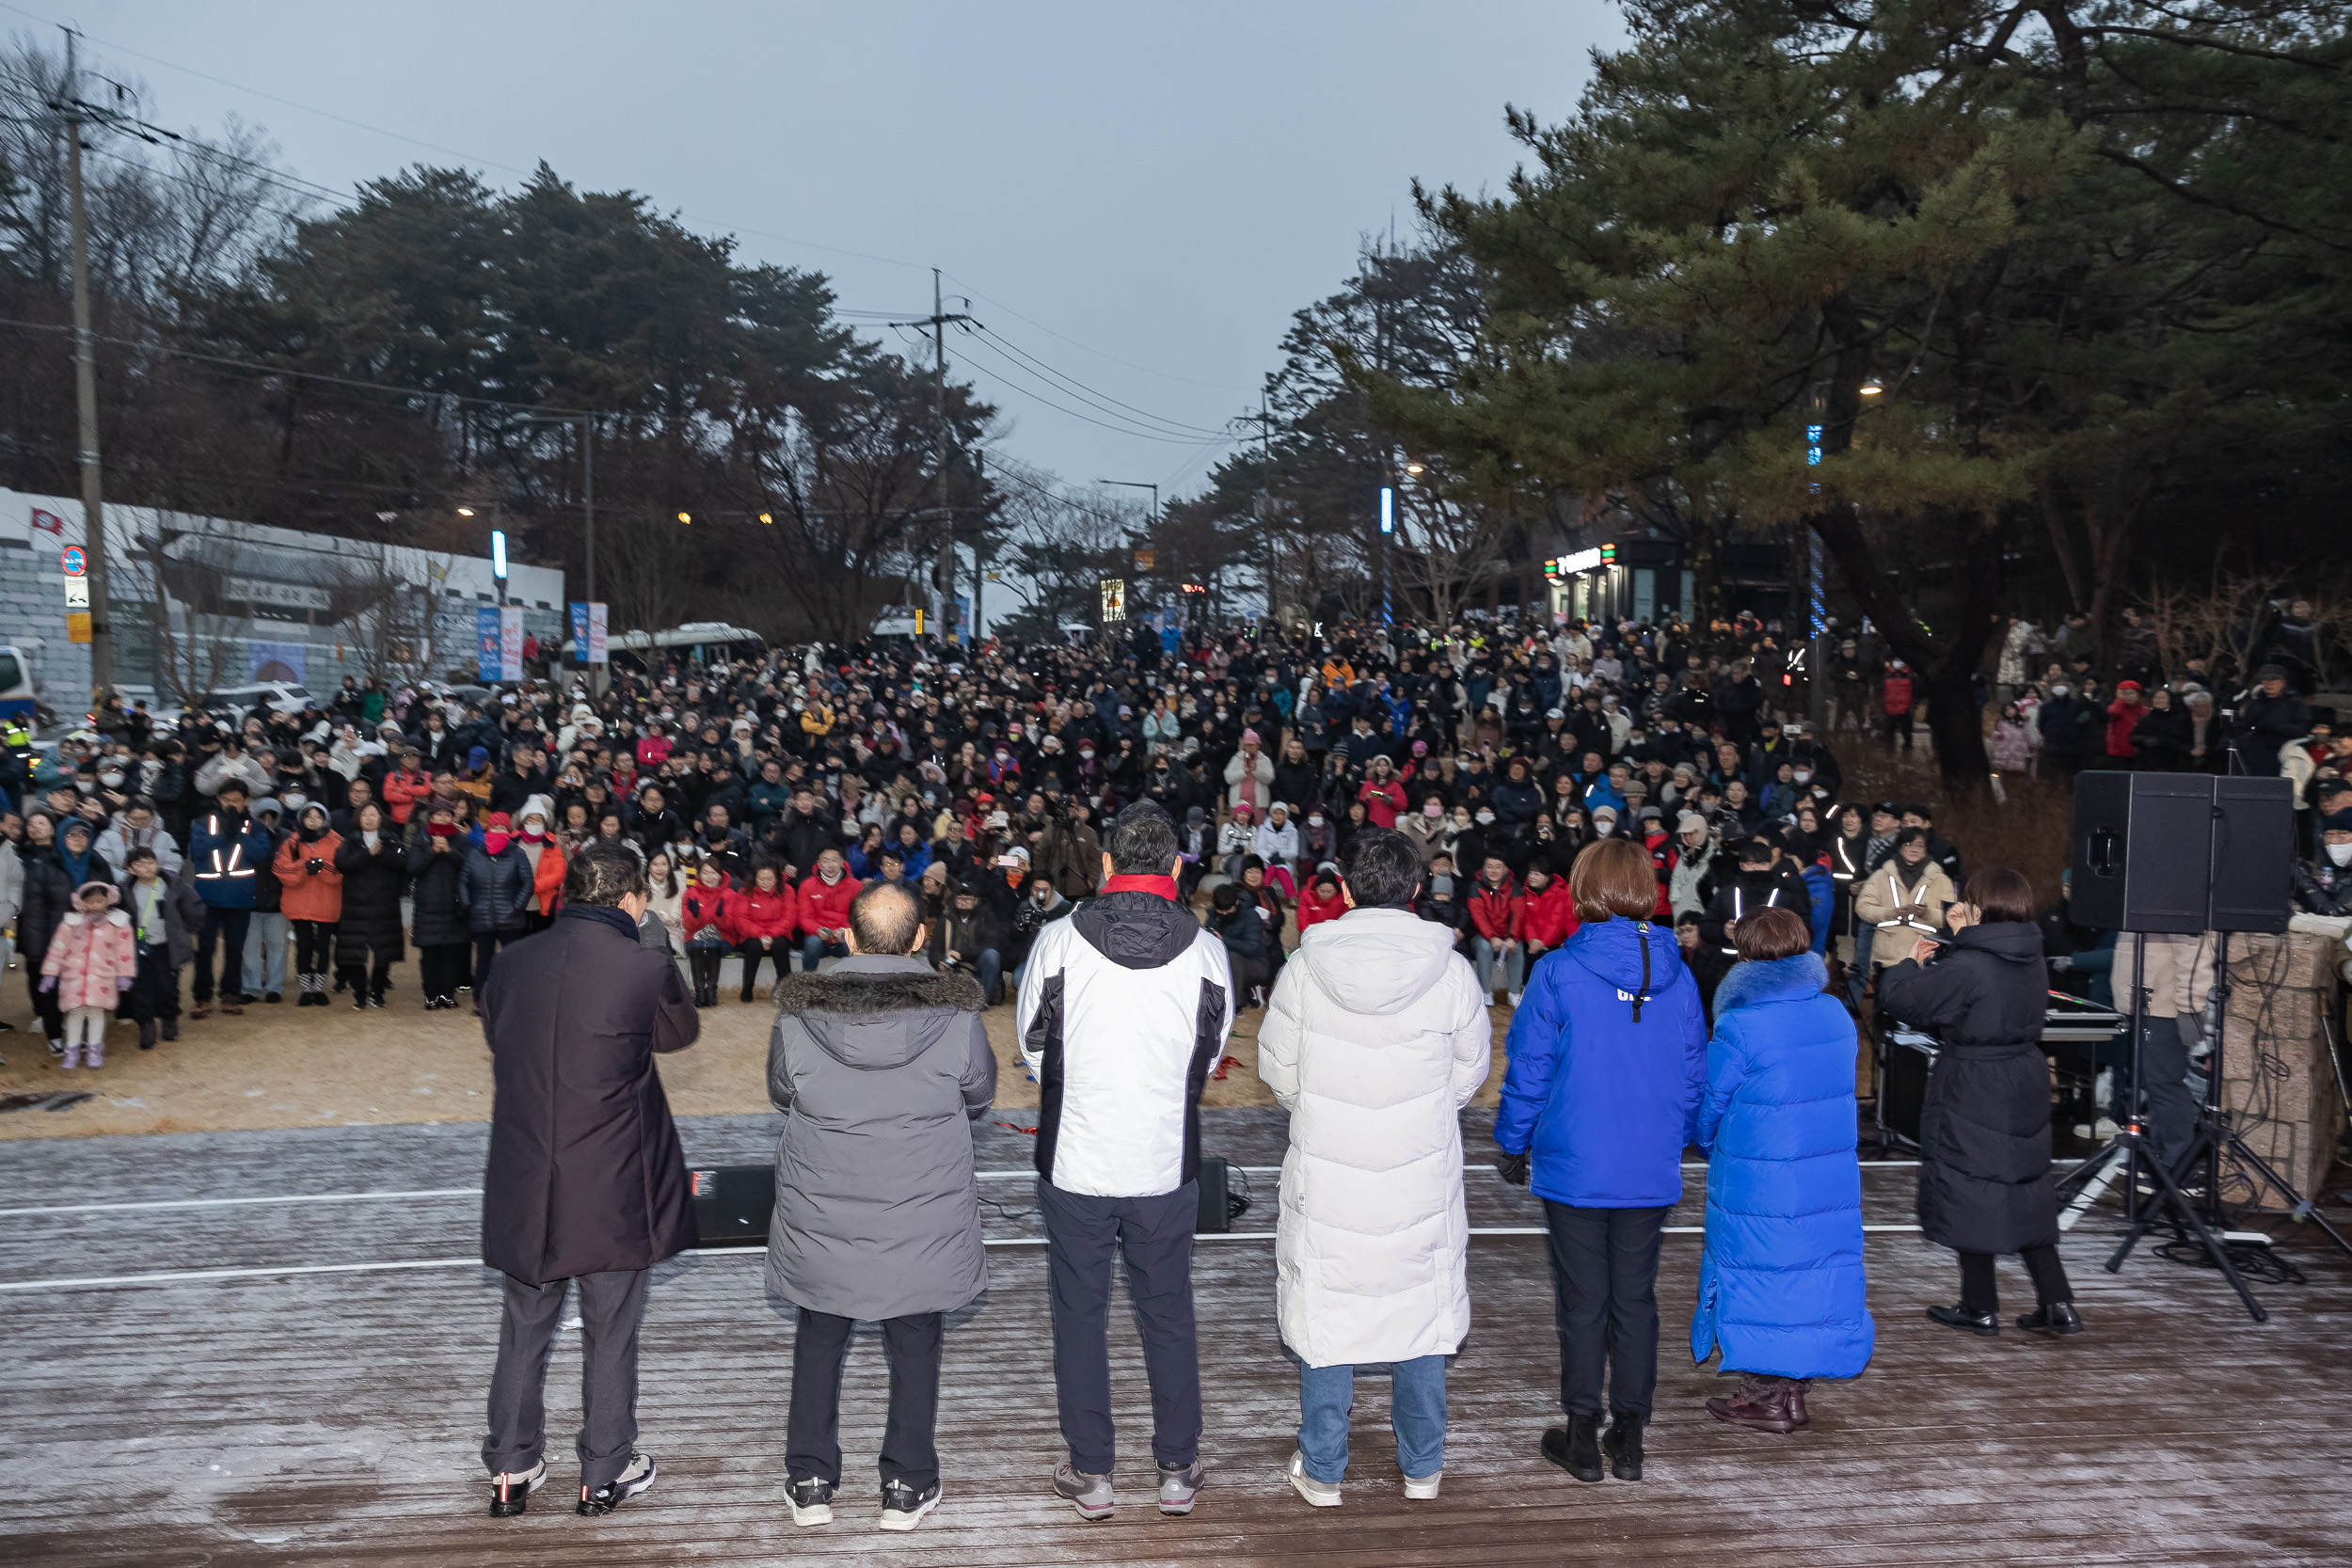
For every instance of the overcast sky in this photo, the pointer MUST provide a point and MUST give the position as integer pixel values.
(1138, 197)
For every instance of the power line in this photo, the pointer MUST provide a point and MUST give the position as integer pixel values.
(1076, 385)
(1116, 430)
(1213, 386)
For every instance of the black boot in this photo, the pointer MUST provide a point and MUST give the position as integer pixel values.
(1623, 1445)
(1576, 1448)
(147, 1034)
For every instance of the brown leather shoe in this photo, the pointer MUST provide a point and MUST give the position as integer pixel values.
(1765, 1413)
(1796, 1406)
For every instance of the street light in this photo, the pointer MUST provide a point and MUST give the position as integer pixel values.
(1138, 484)
(1871, 388)
(1412, 468)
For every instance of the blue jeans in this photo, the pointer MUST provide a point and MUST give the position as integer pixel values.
(1483, 956)
(989, 968)
(1416, 1410)
(265, 953)
(814, 948)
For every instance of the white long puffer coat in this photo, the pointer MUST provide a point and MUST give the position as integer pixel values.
(1373, 1041)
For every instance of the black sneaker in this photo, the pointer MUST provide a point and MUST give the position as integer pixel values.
(2057, 1318)
(1984, 1324)
(510, 1491)
(903, 1507)
(359, 1002)
(811, 1501)
(613, 1493)
(274, 996)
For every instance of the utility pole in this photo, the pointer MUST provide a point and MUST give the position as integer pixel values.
(1264, 419)
(944, 571)
(102, 669)
(980, 558)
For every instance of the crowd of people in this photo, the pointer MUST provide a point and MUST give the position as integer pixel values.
(305, 852)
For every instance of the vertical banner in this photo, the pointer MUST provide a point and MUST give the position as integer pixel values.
(1114, 600)
(598, 620)
(289, 662)
(485, 625)
(511, 644)
(579, 633)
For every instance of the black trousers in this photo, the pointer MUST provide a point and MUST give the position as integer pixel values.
(314, 945)
(45, 1008)
(1604, 1280)
(812, 1440)
(1082, 1235)
(777, 950)
(154, 994)
(443, 967)
(703, 964)
(227, 927)
(612, 1308)
(370, 975)
(1978, 1293)
(486, 945)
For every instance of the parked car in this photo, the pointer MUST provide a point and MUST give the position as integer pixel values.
(238, 701)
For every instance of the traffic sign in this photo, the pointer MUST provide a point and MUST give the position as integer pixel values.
(76, 564)
(77, 593)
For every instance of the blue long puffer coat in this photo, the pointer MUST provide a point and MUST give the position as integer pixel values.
(1780, 1285)
(1601, 1104)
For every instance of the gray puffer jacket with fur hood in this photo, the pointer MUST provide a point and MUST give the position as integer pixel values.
(880, 1066)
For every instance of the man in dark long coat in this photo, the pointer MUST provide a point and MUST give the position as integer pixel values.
(586, 1180)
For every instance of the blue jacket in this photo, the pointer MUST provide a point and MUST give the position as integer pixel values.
(1780, 1285)
(225, 854)
(1824, 890)
(1605, 1104)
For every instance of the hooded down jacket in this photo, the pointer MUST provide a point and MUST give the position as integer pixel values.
(1781, 1283)
(880, 1068)
(91, 954)
(1373, 1041)
(1608, 1055)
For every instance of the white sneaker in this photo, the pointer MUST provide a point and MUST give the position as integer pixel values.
(1317, 1493)
(1424, 1489)
(1515, 997)
(2104, 1128)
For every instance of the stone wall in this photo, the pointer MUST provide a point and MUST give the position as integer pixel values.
(2279, 1068)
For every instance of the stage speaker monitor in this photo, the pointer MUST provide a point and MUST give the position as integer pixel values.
(2254, 854)
(2181, 852)
(2142, 851)
(732, 1203)
(1215, 1218)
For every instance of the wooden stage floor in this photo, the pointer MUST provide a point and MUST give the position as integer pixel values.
(334, 1418)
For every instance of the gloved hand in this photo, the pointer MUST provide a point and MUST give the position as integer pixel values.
(122, 982)
(1513, 1169)
(2064, 962)
(49, 982)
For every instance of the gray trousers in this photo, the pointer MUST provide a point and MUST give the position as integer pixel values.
(2171, 1109)
(611, 1307)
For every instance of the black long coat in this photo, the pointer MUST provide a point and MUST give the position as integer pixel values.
(48, 898)
(586, 1173)
(370, 926)
(439, 919)
(1985, 1178)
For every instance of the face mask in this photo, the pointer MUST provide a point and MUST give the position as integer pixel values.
(111, 780)
(496, 841)
(1314, 819)
(2057, 691)
(1804, 775)
(1485, 817)
(2340, 853)
(534, 832)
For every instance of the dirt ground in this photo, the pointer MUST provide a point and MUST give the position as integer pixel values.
(285, 1066)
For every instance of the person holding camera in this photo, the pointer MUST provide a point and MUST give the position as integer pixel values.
(312, 899)
(1607, 1058)
(1375, 1037)
(1986, 1185)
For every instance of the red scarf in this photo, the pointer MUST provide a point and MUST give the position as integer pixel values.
(1164, 886)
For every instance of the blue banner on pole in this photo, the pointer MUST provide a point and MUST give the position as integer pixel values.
(493, 659)
(580, 631)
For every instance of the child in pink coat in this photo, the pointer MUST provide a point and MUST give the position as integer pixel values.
(92, 960)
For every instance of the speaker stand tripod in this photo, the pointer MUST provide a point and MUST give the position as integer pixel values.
(2126, 1154)
(2217, 1135)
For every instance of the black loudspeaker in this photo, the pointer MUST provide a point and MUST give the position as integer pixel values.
(1214, 1216)
(731, 1204)
(2181, 852)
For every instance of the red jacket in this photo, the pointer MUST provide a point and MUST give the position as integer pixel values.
(1494, 911)
(708, 905)
(1896, 695)
(1314, 911)
(826, 909)
(757, 916)
(401, 791)
(1382, 803)
(1548, 918)
(2123, 719)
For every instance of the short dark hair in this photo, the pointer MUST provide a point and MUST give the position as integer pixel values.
(1999, 893)
(1771, 933)
(886, 918)
(1142, 841)
(1382, 867)
(603, 873)
(1755, 851)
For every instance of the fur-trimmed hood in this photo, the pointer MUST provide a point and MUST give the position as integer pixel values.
(1754, 983)
(877, 1012)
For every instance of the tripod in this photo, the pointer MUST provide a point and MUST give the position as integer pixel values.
(2216, 1133)
(2122, 1156)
